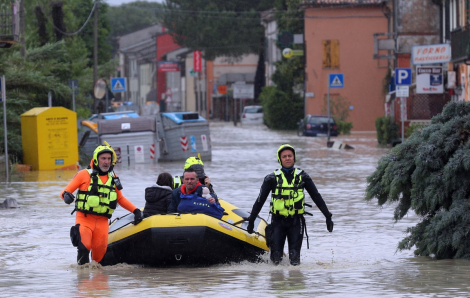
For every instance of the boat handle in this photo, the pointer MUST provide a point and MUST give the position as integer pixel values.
(240, 221)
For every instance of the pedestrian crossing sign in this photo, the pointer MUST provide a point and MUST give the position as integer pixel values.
(118, 85)
(336, 80)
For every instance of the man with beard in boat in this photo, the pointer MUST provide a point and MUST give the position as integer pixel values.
(192, 189)
(99, 192)
(197, 164)
(287, 206)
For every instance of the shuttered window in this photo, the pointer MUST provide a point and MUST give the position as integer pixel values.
(331, 54)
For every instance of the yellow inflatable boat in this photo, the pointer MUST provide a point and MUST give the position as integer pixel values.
(185, 239)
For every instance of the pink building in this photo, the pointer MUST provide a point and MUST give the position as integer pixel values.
(339, 38)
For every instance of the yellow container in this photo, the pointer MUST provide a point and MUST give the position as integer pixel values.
(49, 138)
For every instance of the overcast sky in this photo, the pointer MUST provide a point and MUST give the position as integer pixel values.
(119, 2)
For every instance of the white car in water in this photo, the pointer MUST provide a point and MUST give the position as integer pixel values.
(252, 115)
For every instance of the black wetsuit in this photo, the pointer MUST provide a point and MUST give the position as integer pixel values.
(290, 227)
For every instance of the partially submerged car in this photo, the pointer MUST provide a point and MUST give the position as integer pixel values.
(252, 115)
(317, 125)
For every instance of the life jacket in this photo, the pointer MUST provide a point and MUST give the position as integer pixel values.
(99, 199)
(192, 203)
(288, 199)
(177, 181)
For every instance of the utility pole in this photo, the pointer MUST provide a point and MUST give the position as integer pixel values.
(23, 46)
(95, 53)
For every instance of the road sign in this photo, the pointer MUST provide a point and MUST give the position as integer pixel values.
(403, 91)
(118, 85)
(402, 76)
(285, 39)
(336, 80)
(222, 89)
(244, 91)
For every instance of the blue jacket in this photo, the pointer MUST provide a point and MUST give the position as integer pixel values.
(176, 198)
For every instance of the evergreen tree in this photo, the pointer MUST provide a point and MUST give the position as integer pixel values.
(429, 174)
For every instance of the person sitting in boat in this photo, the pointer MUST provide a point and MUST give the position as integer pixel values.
(197, 164)
(287, 206)
(158, 196)
(99, 192)
(188, 198)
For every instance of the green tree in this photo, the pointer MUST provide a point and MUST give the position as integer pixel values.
(76, 13)
(28, 81)
(281, 110)
(137, 15)
(219, 28)
(339, 110)
(429, 174)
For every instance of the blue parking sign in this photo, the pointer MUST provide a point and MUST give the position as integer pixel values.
(402, 76)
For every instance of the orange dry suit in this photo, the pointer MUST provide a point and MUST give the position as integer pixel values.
(94, 224)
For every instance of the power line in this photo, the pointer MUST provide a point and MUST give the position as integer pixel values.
(79, 30)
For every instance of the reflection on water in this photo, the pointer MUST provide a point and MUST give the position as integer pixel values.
(358, 259)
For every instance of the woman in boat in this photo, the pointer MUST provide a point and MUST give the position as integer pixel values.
(158, 196)
(287, 205)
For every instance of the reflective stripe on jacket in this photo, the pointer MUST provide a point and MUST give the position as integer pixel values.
(177, 181)
(288, 199)
(99, 199)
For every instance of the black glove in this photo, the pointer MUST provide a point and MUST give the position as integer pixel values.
(137, 216)
(251, 225)
(329, 223)
(68, 197)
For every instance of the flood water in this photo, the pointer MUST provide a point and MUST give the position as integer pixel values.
(359, 259)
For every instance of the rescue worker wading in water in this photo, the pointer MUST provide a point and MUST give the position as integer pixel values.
(287, 206)
(99, 192)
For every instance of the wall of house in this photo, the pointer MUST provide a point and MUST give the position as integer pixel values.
(353, 28)
(165, 44)
(417, 23)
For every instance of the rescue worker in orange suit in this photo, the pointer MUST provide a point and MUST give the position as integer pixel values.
(99, 192)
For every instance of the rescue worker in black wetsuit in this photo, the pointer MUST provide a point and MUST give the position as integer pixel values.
(287, 206)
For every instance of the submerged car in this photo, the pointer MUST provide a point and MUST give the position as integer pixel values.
(317, 125)
(252, 115)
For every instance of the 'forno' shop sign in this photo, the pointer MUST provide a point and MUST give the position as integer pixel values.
(429, 80)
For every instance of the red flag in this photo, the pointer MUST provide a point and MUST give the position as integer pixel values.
(197, 61)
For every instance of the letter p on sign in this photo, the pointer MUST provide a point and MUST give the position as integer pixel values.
(402, 76)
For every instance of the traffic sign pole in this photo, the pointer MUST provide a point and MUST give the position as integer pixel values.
(328, 141)
(335, 80)
(4, 99)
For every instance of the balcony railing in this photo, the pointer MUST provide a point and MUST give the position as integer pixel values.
(9, 22)
(460, 43)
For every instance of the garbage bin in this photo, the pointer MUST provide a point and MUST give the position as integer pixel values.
(49, 138)
(181, 135)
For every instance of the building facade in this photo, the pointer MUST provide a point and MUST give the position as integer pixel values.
(339, 38)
